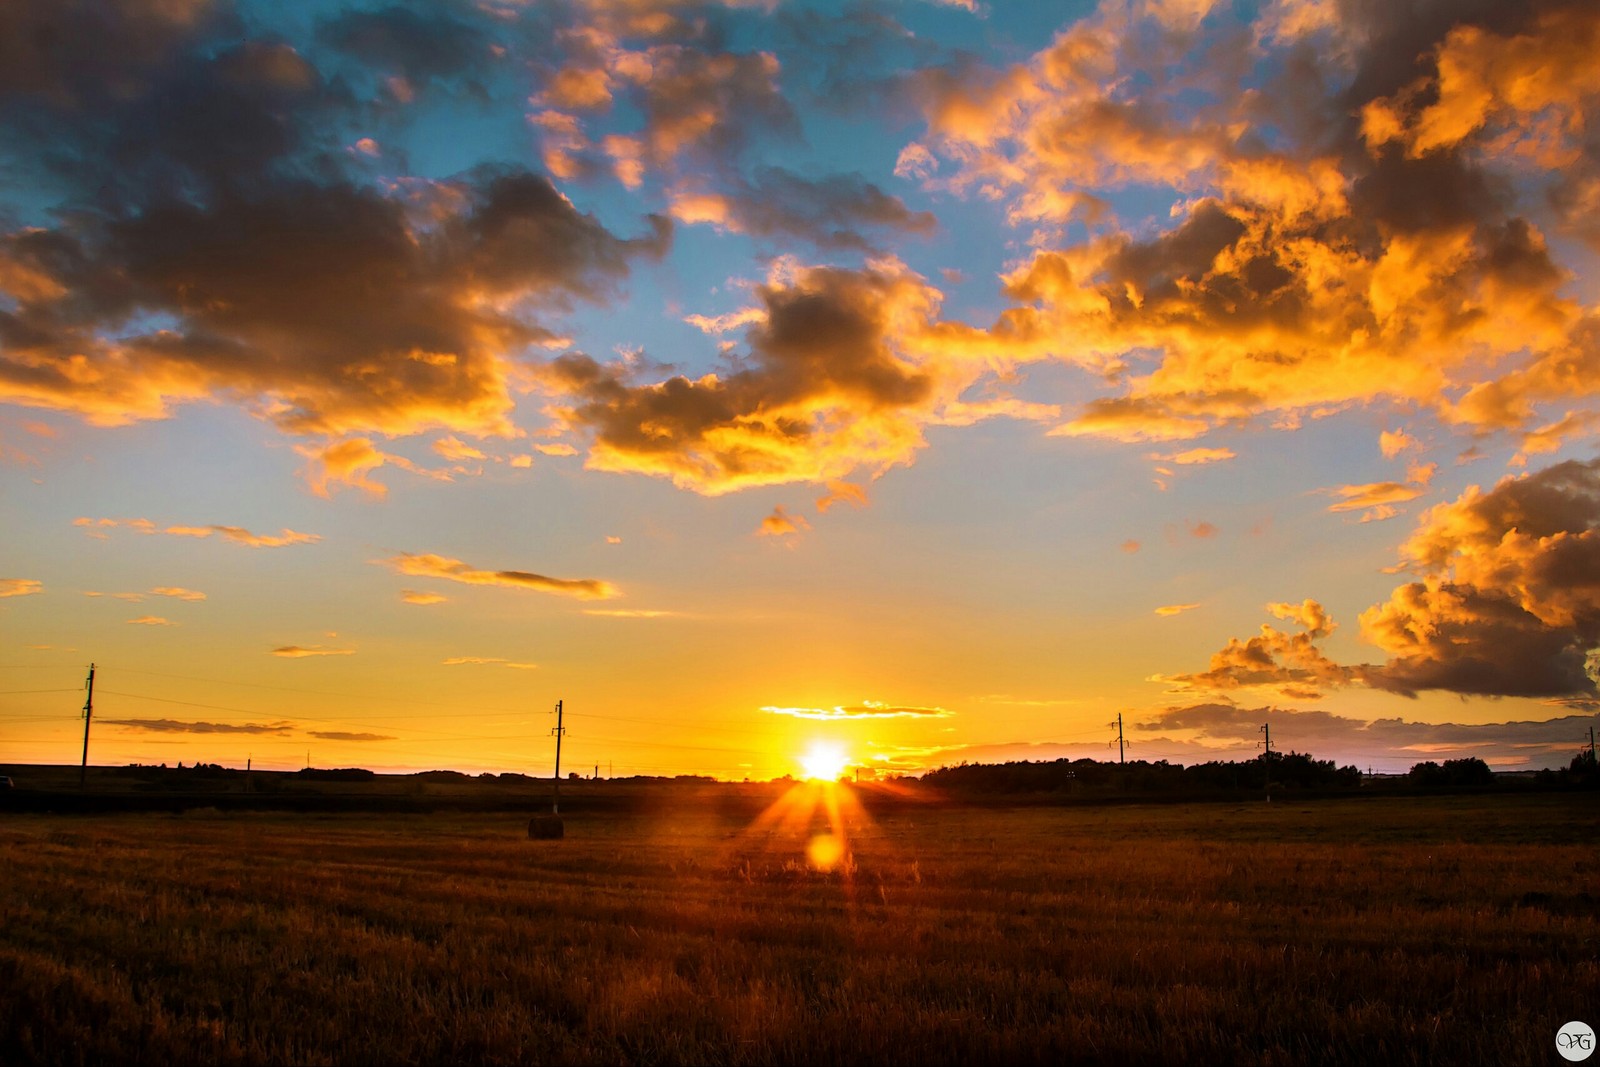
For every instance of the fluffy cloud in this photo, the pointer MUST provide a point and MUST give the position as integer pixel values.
(1507, 603)
(1314, 261)
(220, 243)
(1509, 599)
(843, 373)
(1290, 664)
(354, 310)
(428, 565)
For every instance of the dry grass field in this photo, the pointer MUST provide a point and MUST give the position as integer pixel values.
(1459, 930)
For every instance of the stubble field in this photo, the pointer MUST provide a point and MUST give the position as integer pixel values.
(1400, 930)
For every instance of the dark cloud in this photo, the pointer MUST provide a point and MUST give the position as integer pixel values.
(709, 104)
(836, 211)
(326, 307)
(1509, 604)
(418, 45)
(174, 726)
(1535, 742)
(427, 565)
(341, 735)
(855, 58)
(827, 386)
(71, 53)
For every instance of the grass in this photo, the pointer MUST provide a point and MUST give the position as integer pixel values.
(1455, 930)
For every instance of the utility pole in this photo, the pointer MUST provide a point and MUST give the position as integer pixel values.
(88, 713)
(555, 805)
(1266, 759)
(1122, 757)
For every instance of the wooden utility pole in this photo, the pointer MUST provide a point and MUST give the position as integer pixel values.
(88, 713)
(1266, 758)
(1122, 746)
(555, 805)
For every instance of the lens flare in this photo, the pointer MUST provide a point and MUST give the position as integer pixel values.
(825, 851)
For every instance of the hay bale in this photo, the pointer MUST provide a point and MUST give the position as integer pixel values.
(546, 828)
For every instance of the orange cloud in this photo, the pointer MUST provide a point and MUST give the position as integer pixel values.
(1393, 442)
(782, 524)
(456, 661)
(1507, 604)
(428, 565)
(1307, 268)
(353, 309)
(1290, 664)
(20, 587)
(842, 492)
(1167, 610)
(299, 652)
(177, 592)
(715, 324)
(412, 596)
(845, 371)
(1197, 456)
(239, 535)
(633, 613)
(455, 449)
(151, 620)
(349, 462)
(1376, 499)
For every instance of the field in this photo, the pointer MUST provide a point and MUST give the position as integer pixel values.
(1400, 930)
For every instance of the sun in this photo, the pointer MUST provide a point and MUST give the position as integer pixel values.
(824, 761)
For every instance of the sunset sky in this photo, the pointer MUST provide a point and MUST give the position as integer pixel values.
(934, 380)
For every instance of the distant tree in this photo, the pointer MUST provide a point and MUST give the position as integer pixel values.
(1470, 771)
(1583, 769)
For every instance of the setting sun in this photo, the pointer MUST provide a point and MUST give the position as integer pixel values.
(824, 761)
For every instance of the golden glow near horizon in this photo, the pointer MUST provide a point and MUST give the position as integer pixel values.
(502, 355)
